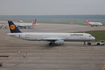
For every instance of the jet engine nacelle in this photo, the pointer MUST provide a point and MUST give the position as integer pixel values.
(59, 42)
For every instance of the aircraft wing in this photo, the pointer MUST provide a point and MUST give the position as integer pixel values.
(51, 38)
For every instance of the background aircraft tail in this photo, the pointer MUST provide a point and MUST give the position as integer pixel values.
(87, 21)
(13, 28)
(34, 22)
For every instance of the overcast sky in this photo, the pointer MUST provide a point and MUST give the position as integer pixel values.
(52, 7)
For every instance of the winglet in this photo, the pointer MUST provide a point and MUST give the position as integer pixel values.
(13, 28)
(34, 22)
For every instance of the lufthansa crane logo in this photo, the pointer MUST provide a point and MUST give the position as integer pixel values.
(12, 27)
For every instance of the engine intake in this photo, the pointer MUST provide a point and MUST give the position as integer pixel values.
(59, 42)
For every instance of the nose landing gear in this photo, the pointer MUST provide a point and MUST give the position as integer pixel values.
(84, 43)
(50, 43)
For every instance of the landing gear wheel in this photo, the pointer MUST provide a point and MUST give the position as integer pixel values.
(20, 27)
(98, 43)
(24, 27)
(88, 43)
(50, 43)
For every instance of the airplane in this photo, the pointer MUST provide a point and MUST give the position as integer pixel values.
(53, 38)
(26, 25)
(21, 21)
(93, 23)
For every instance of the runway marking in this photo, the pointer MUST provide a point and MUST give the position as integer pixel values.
(103, 68)
(15, 66)
(9, 61)
(19, 65)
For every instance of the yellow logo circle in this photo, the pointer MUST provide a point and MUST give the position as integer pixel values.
(12, 27)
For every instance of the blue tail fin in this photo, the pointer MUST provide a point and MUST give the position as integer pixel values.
(13, 28)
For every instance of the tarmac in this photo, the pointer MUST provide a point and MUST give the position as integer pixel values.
(34, 55)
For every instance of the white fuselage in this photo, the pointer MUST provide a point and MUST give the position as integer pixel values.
(23, 24)
(54, 36)
(95, 23)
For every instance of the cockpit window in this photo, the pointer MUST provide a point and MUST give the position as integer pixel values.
(90, 36)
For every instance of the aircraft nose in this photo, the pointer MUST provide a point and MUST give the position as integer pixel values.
(93, 38)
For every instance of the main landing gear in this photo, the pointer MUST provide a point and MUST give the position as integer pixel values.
(50, 43)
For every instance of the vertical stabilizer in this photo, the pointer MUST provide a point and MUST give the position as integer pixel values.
(34, 22)
(87, 21)
(13, 27)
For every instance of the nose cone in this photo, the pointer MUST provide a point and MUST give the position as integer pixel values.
(93, 38)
